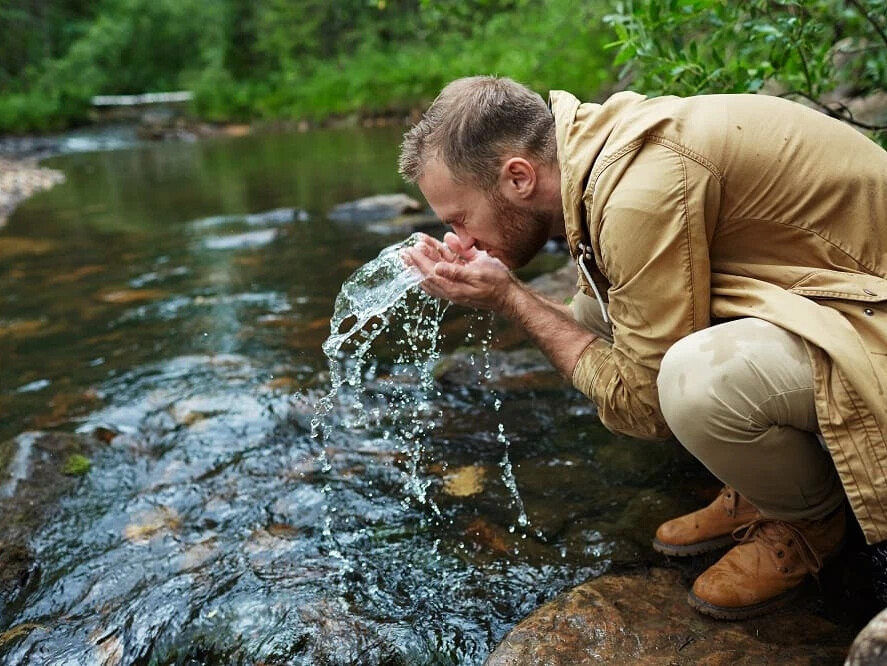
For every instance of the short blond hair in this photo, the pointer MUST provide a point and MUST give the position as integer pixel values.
(472, 124)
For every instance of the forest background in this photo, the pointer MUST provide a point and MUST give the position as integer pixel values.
(283, 60)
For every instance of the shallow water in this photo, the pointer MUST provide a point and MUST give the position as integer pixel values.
(180, 294)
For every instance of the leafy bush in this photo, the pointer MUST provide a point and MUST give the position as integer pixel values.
(248, 59)
(819, 51)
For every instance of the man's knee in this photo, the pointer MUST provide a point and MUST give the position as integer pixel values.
(734, 380)
(687, 393)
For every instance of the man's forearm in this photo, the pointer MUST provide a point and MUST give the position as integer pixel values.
(549, 325)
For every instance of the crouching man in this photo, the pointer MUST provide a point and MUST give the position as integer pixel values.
(732, 263)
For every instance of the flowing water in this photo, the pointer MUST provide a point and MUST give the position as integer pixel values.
(167, 310)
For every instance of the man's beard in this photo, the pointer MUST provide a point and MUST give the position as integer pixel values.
(524, 231)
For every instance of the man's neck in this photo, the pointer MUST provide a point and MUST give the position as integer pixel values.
(551, 200)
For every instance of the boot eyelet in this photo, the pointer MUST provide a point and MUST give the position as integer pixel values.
(780, 553)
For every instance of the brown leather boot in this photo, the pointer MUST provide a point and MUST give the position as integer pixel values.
(706, 529)
(768, 566)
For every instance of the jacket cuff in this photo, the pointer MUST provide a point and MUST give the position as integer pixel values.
(589, 365)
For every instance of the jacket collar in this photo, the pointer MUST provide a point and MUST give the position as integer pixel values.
(582, 131)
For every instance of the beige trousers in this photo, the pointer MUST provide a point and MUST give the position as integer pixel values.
(739, 397)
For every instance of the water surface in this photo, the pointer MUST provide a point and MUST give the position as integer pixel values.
(179, 294)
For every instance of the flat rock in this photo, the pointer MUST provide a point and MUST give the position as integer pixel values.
(643, 618)
(375, 208)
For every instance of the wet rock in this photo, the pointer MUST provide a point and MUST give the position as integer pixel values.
(464, 481)
(489, 536)
(13, 246)
(521, 368)
(18, 631)
(244, 241)
(18, 328)
(31, 482)
(76, 275)
(127, 296)
(21, 178)
(16, 567)
(560, 284)
(404, 225)
(276, 216)
(643, 618)
(337, 637)
(152, 523)
(65, 406)
(374, 209)
(870, 647)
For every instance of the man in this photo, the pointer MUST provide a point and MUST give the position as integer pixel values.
(732, 256)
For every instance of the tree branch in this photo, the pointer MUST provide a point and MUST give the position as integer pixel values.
(847, 117)
(877, 26)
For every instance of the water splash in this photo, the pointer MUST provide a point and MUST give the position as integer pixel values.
(382, 298)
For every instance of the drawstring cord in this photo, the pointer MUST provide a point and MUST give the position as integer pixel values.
(586, 255)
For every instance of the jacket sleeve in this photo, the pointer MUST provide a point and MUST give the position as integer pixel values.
(654, 251)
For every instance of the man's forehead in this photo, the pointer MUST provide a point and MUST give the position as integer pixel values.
(436, 174)
(442, 192)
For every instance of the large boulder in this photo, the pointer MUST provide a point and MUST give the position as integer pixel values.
(643, 618)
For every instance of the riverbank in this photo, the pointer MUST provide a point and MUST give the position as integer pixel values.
(20, 178)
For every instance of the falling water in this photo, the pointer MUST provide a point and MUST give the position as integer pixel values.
(383, 298)
(505, 464)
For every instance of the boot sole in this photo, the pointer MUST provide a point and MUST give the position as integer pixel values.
(698, 548)
(743, 612)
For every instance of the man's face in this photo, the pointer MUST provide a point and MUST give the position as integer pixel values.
(505, 230)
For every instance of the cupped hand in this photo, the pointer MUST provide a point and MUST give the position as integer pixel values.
(466, 276)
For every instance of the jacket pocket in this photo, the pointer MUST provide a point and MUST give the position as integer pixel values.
(840, 285)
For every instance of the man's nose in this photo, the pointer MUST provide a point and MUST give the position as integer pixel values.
(465, 239)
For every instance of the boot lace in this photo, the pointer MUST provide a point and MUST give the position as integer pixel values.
(777, 535)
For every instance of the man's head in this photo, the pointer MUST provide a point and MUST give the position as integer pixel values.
(485, 157)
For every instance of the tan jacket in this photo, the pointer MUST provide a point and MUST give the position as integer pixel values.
(707, 208)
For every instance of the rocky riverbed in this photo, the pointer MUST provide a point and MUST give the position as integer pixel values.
(21, 177)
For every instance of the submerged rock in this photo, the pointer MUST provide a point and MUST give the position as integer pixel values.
(643, 618)
(375, 208)
(520, 368)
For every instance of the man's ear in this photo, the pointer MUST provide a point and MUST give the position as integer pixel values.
(517, 179)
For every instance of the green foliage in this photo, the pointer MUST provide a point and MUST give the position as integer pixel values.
(810, 50)
(284, 59)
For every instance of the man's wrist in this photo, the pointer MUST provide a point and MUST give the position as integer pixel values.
(512, 297)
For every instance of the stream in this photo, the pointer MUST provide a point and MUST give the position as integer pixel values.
(169, 303)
